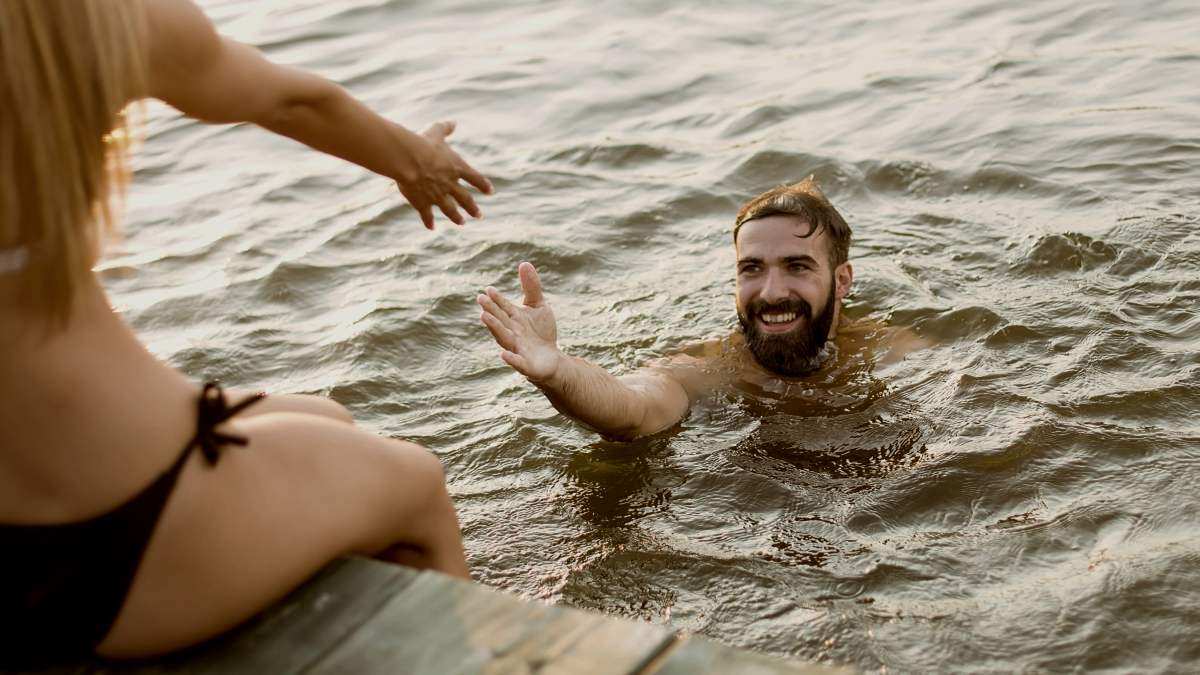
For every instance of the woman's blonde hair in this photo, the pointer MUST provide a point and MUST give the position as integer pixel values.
(68, 69)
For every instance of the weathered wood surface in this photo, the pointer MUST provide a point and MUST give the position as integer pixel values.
(444, 625)
(362, 616)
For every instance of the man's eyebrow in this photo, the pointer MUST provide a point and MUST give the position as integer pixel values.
(803, 258)
(800, 258)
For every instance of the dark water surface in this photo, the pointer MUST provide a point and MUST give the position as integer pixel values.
(1022, 179)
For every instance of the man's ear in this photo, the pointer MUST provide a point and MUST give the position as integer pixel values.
(843, 278)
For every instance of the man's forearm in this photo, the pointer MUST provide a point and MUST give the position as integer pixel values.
(644, 402)
(596, 398)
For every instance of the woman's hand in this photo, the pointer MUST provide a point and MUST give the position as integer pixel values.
(430, 174)
(527, 334)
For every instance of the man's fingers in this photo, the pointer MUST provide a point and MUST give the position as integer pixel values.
(465, 199)
(505, 304)
(514, 361)
(531, 285)
(503, 336)
(487, 300)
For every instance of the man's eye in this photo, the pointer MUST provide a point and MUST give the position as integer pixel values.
(748, 269)
(800, 267)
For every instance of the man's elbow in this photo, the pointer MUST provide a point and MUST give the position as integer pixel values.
(648, 425)
(624, 435)
(618, 433)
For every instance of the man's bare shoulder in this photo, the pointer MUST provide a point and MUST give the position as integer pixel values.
(700, 367)
(710, 350)
(885, 344)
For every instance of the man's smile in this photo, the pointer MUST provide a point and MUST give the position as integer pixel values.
(778, 322)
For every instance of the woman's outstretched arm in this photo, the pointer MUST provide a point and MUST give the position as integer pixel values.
(215, 79)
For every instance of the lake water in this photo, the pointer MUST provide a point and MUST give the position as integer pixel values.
(1022, 183)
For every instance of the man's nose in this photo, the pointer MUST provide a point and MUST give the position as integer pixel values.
(774, 288)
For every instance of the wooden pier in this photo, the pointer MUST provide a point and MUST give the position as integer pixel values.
(363, 616)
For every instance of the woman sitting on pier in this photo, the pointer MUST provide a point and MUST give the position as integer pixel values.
(139, 511)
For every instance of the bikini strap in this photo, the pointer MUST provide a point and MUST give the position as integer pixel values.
(213, 410)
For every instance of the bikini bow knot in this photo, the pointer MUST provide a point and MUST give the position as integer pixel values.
(213, 410)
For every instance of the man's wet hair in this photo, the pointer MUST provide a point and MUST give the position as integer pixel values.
(803, 201)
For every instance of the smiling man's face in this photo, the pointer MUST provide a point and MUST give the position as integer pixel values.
(788, 292)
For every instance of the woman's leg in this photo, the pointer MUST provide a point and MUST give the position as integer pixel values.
(309, 404)
(236, 537)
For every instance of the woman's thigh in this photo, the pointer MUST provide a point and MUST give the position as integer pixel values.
(309, 404)
(237, 536)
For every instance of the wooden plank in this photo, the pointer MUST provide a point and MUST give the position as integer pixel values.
(362, 616)
(290, 636)
(700, 656)
(446, 626)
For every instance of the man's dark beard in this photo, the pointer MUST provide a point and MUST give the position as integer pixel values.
(796, 352)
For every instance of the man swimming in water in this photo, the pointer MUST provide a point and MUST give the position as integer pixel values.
(793, 271)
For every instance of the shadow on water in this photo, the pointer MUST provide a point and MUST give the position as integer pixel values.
(763, 471)
(734, 524)
(825, 461)
(616, 484)
(847, 428)
(850, 452)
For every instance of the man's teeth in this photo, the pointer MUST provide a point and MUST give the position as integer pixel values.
(779, 318)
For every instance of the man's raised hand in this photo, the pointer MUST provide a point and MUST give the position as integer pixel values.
(527, 333)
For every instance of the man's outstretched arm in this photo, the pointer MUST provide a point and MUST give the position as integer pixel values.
(622, 408)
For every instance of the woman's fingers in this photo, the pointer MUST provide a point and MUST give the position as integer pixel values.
(426, 212)
(449, 208)
(417, 198)
(481, 183)
(441, 170)
(465, 199)
(438, 131)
